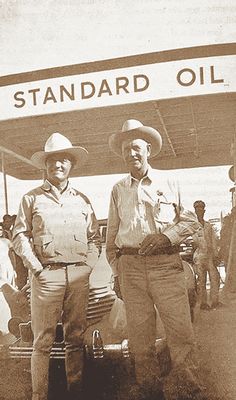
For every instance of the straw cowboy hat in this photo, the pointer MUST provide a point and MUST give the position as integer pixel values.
(58, 143)
(134, 129)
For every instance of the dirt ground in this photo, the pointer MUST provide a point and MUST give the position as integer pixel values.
(216, 339)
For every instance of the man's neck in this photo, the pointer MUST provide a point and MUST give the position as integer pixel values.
(61, 186)
(139, 174)
(202, 221)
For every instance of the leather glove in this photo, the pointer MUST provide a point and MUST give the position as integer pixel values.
(154, 242)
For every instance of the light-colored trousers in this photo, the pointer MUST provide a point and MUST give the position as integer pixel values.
(202, 266)
(158, 281)
(59, 293)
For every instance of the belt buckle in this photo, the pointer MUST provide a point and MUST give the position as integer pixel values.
(118, 253)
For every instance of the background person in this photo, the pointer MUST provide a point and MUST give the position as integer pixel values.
(225, 236)
(14, 303)
(21, 273)
(206, 259)
(7, 278)
(57, 236)
(7, 225)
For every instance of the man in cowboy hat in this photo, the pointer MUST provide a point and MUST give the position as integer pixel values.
(56, 235)
(206, 258)
(144, 231)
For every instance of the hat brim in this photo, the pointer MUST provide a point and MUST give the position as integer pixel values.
(79, 155)
(150, 135)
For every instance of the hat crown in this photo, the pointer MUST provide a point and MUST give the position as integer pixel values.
(131, 124)
(57, 142)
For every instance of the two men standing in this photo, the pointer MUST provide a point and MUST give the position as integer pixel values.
(56, 235)
(145, 228)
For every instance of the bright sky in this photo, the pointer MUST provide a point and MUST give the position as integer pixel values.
(36, 35)
(40, 34)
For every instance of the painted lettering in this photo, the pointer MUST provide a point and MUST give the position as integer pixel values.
(49, 95)
(184, 71)
(104, 88)
(140, 78)
(20, 99)
(70, 94)
(122, 83)
(91, 93)
(213, 80)
(192, 76)
(201, 71)
(34, 91)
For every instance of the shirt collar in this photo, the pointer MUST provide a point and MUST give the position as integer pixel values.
(149, 176)
(48, 187)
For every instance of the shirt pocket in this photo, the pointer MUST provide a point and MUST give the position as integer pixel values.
(44, 246)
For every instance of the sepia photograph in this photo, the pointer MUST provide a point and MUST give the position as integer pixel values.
(117, 200)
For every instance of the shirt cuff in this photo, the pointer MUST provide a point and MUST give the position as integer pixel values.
(172, 236)
(35, 269)
(37, 273)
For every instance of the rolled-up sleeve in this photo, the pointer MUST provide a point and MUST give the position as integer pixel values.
(186, 225)
(22, 243)
(112, 230)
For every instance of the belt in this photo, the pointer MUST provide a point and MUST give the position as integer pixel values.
(135, 251)
(64, 264)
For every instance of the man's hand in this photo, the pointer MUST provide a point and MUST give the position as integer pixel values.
(216, 260)
(154, 242)
(117, 287)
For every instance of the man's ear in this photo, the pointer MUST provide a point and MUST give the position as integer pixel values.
(149, 149)
(73, 162)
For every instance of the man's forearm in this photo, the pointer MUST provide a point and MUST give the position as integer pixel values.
(112, 230)
(112, 259)
(186, 226)
(23, 248)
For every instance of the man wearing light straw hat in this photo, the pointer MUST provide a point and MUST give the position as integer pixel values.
(145, 228)
(56, 235)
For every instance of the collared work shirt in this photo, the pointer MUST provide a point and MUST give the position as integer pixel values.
(138, 208)
(205, 241)
(55, 227)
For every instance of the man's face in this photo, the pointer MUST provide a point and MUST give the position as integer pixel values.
(200, 211)
(135, 154)
(58, 167)
(7, 223)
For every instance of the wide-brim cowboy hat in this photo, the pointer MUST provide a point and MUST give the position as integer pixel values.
(58, 143)
(133, 129)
